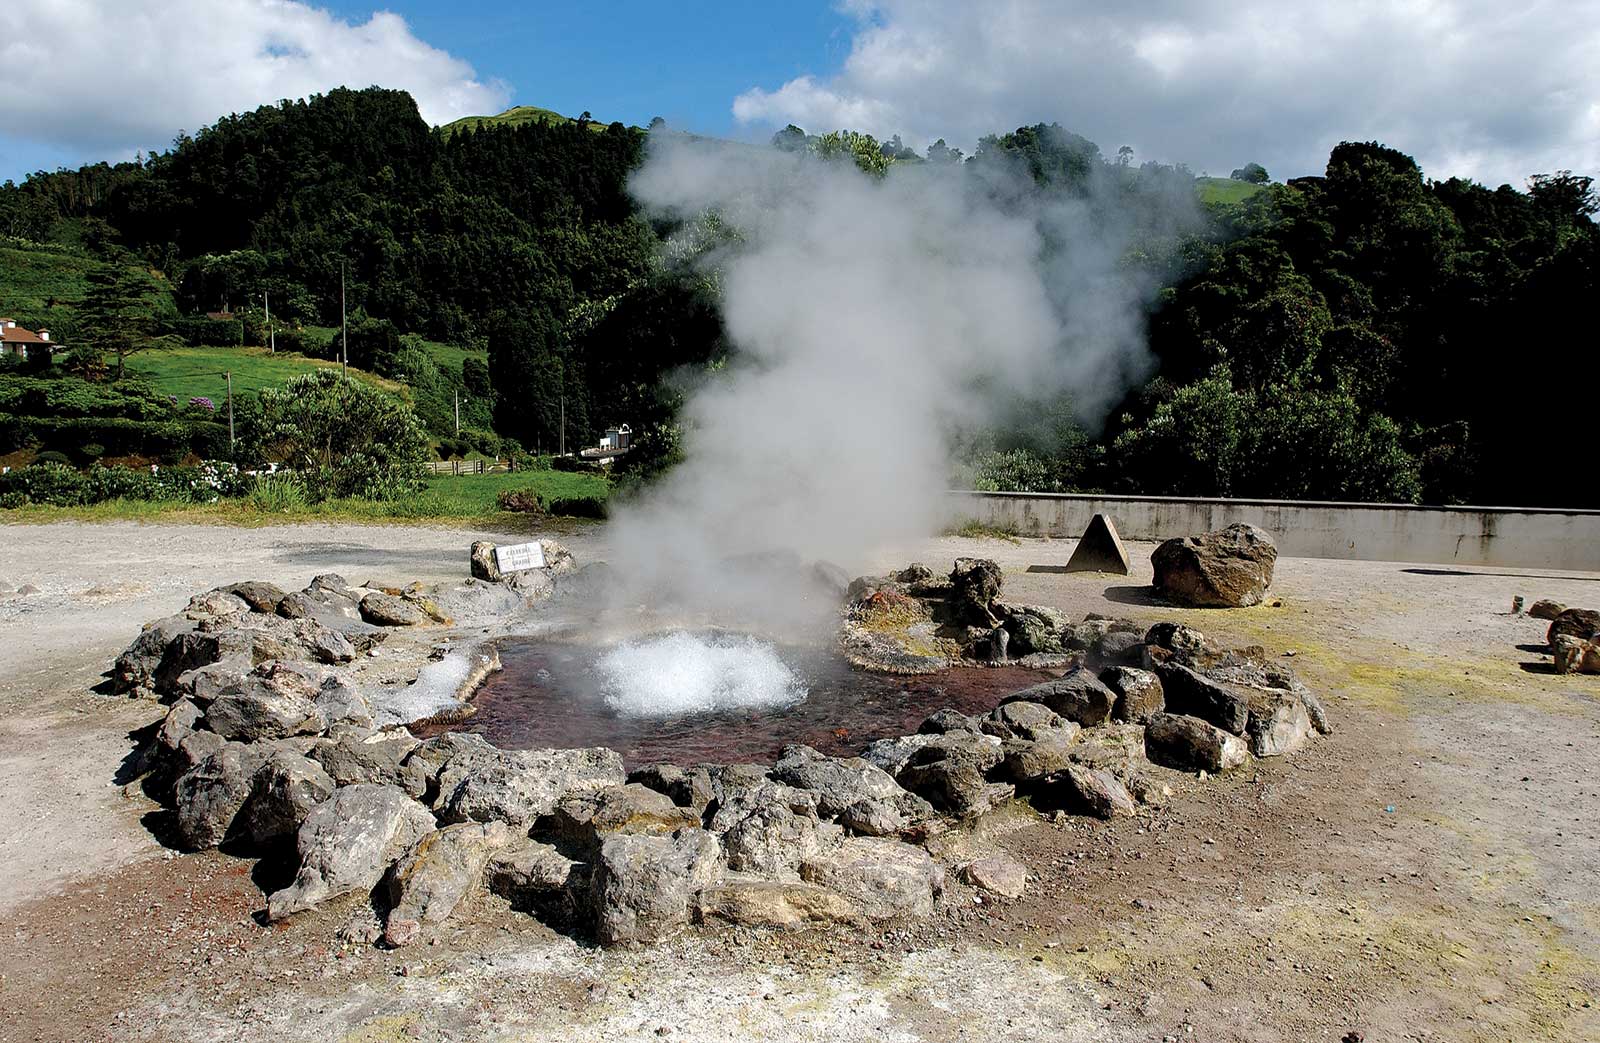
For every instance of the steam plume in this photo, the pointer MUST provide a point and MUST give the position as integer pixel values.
(874, 317)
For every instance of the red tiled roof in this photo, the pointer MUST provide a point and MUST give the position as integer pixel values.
(18, 335)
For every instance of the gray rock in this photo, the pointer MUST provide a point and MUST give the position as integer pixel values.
(1025, 720)
(347, 842)
(998, 874)
(1187, 692)
(204, 683)
(1089, 791)
(209, 797)
(952, 776)
(525, 869)
(428, 759)
(337, 702)
(1279, 724)
(1190, 744)
(1027, 762)
(216, 607)
(438, 872)
(1085, 636)
(179, 723)
(196, 747)
(387, 610)
(481, 562)
(1187, 644)
(269, 705)
(1079, 696)
(1034, 629)
(1315, 709)
(1139, 693)
(850, 788)
(1229, 568)
(885, 879)
(520, 786)
(330, 646)
(891, 755)
(1119, 646)
(975, 585)
(583, 819)
(282, 793)
(947, 720)
(259, 595)
(643, 887)
(352, 760)
(686, 787)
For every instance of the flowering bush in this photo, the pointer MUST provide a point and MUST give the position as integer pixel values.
(203, 402)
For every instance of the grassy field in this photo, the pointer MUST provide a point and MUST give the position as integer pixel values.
(446, 499)
(196, 372)
(514, 117)
(1223, 190)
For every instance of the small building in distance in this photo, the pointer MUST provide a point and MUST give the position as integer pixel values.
(14, 340)
(620, 437)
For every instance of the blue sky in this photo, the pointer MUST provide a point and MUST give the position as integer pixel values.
(1477, 88)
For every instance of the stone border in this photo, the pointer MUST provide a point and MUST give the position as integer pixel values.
(286, 728)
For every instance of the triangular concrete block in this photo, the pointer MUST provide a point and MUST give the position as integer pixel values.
(1099, 549)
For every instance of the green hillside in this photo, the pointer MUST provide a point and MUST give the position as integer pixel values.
(1224, 190)
(198, 372)
(515, 117)
(40, 285)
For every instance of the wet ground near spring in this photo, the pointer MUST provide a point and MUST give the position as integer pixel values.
(547, 696)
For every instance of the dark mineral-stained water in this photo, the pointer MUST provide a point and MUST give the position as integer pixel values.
(556, 693)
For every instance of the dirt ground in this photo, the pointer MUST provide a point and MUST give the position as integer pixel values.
(1427, 872)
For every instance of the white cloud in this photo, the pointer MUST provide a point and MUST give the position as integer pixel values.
(1479, 88)
(111, 76)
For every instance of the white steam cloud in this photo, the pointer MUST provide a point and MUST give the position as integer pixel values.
(873, 318)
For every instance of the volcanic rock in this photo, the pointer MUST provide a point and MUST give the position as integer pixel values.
(1079, 696)
(951, 775)
(1139, 693)
(998, 874)
(266, 705)
(1025, 720)
(520, 786)
(260, 596)
(1279, 723)
(1544, 608)
(1576, 656)
(893, 754)
(864, 797)
(177, 726)
(1087, 791)
(347, 842)
(582, 819)
(1188, 692)
(1187, 645)
(1026, 762)
(975, 584)
(643, 887)
(283, 791)
(1229, 568)
(436, 874)
(209, 796)
(527, 868)
(482, 562)
(947, 720)
(769, 833)
(686, 787)
(378, 759)
(1581, 623)
(387, 610)
(1119, 646)
(885, 879)
(1190, 744)
(1034, 628)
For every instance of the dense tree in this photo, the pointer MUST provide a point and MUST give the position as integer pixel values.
(1253, 173)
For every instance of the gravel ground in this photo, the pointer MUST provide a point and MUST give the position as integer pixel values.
(1427, 872)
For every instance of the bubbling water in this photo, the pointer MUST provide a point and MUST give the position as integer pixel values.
(682, 673)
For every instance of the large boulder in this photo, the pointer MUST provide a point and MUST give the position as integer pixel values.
(685, 787)
(885, 879)
(1085, 791)
(1025, 762)
(209, 797)
(643, 887)
(1026, 720)
(1279, 724)
(864, 797)
(1576, 656)
(1581, 623)
(347, 842)
(1079, 696)
(1139, 693)
(583, 819)
(481, 561)
(388, 610)
(258, 594)
(952, 774)
(270, 704)
(1229, 568)
(1189, 692)
(1544, 608)
(520, 786)
(527, 869)
(772, 829)
(282, 793)
(975, 584)
(1190, 744)
(433, 877)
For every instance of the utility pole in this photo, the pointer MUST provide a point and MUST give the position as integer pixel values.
(458, 414)
(272, 338)
(344, 330)
(229, 375)
(563, 442)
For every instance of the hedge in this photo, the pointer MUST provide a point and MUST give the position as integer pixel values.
(166, 440)
(202, 332)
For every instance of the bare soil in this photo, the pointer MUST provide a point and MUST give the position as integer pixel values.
(1427, 872)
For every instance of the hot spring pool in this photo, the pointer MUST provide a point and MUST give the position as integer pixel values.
(711, 698)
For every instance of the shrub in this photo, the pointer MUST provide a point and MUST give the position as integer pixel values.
(276, 493)
(521, 501)
(53, 484)
(579, 507)
(50, 456)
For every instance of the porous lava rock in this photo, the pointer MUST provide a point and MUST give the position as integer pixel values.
(1544, 608)
(643, 887)
(1139, 693)
(1581, 623)
(1229, 568)
(347, 842)
(1078, 696)
(1190, 744)
(436, 874)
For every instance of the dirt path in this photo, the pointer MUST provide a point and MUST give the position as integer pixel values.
(1289, 903)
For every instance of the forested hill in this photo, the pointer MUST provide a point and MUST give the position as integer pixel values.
(1364, 334)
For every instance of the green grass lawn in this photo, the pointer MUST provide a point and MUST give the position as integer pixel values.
(1223, 190)
(476, 494)
(198, 372)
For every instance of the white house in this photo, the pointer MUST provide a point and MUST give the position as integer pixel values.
(14, 340)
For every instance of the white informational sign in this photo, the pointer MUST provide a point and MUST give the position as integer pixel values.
(519, 556)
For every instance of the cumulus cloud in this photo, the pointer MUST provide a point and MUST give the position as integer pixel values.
(1477, 88)
(110, 76)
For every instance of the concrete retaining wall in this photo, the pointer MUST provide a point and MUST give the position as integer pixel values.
(1507, 536)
